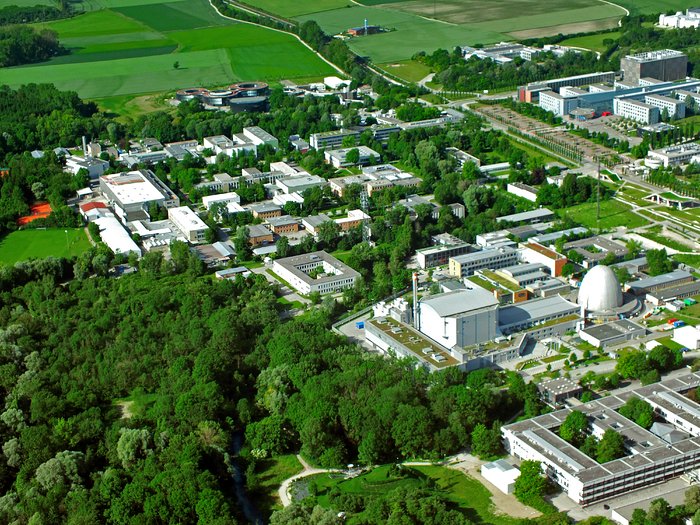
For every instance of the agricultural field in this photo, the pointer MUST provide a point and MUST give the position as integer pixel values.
(592, 42)
(132, 48)
(57, 242)
(288, 9)
(645, 7)
(425, 25)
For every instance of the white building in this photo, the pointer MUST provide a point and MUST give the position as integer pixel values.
(116, 237)
(460, 318)
(131, 194)
(221, 198)
(636, 110)
(688, 336)
(501, 475)
(691, 18)
(557, 104)
(299, 184)
(522, 190)
(189, 223)
(258, 136)
(338, 157)
(674, 155)
(315, 272)
(95, 167)
(674, 107)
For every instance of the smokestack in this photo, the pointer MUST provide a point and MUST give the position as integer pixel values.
(85, 151)
(366, 28)
(416, 321)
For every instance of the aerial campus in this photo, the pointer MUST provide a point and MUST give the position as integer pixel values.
(350, 262)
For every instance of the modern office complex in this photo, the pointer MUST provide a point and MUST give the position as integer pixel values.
(691, 18)
(652, 456)
(188, 222)
(244, 96)
(465, 265)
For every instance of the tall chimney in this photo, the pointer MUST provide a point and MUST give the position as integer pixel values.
(416, 320)
(85, 150)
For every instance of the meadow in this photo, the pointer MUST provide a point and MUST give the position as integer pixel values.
(592, 42)
(137, 47)
(289, 9)
(57, 242)
(612, 214)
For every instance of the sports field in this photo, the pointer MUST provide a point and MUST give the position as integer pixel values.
(27, 244)
(138, 47)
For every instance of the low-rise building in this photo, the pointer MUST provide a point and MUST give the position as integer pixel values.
(501, 475)
(612, 333)
(220, 198)
(674, 155)
(542, 317)
(283, 224)
(687, 336)
(131, 194)
(332, 139)
(339, 157)
(534, 252)
(522, 190)
(312, 223)
(555, 391)
(188, 222)
(440, 254)
(659, 282)
(266, 211)
(93, 166)
(354, 219)
(299, 184)
(596, 249)
(315, 272)
(116, 237)
(528, 217)
(492, 259)
(259, 235)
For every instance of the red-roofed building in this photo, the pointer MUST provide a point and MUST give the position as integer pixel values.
(93, 210)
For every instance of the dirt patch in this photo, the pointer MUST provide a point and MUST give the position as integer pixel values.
(567, 29)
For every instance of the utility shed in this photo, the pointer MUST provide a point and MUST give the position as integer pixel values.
(501, 475)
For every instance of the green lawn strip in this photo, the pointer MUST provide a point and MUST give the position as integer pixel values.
(553, 358)
(666, 241)
(56, 242)
(409, 70)
(612, 214)
(118, 54)
(171, 16)
(104, 22)
(670, 343)
(342, 255)
(691, 260)
(640, 7)
(270, 473)
(592, 42)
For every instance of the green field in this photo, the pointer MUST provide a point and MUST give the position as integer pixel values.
(467, 494)
(407, 69)
(645, 7)
(612, 214)
(27, 244)
(132, 49)
(289, 8)
(592, 42)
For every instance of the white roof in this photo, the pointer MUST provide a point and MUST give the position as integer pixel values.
(115, 236)
(600, 290)
(460, 301)
(132, 188)
(184, 217)
(221, 197)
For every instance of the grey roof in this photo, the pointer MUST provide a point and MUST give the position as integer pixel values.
(682, 290)
(292, 264)
(460, 301)
(533, 311)
(258, 230)
(501, 465)
(262, 208)
(283, 220)
(316, 220)
(614, 329)
(540, 213)
(483, 255)
(666, 278)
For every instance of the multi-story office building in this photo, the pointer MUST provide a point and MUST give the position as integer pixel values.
(465, 265)
(673, 106)
(666, 64)
(636, 110)
(188, 222)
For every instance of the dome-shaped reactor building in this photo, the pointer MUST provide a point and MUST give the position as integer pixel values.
(600, 291)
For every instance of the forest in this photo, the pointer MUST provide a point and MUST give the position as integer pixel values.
(20, 44)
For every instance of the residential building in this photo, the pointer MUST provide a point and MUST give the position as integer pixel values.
(492, 259)
(131, 194)
(188, 222)
(315, 272)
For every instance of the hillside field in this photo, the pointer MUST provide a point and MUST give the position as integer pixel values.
(57, 242)
(140, 47)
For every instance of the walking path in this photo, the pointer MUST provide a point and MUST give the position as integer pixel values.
(284, 494)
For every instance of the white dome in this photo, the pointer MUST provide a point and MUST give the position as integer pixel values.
(600, 290)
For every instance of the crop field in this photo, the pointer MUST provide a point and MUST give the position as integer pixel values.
(425, 25)
(138, 47)
(26, 244)
(290, 9)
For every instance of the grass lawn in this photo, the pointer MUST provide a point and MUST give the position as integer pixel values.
(690, 260)
(592, 42)
(655, 234)
(641, 7)
(27, 244)
(409, 70)
(553, 358)
(612, 214)
(271, 473)
(670, 343)
(468, 495)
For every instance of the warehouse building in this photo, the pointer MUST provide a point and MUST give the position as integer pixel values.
(315, 272)
(550, 316)
(649, 458)
(612, 333)
(131, 193)
(660, 282)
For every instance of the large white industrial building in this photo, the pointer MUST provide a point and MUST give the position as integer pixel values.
(131, 194)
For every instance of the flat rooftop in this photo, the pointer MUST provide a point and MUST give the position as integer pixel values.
(660, 280)
(535, 311)
(651, 56)
(337, 268)
(540, 213)
(606, 331)
(132, 187)
(460, 301)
